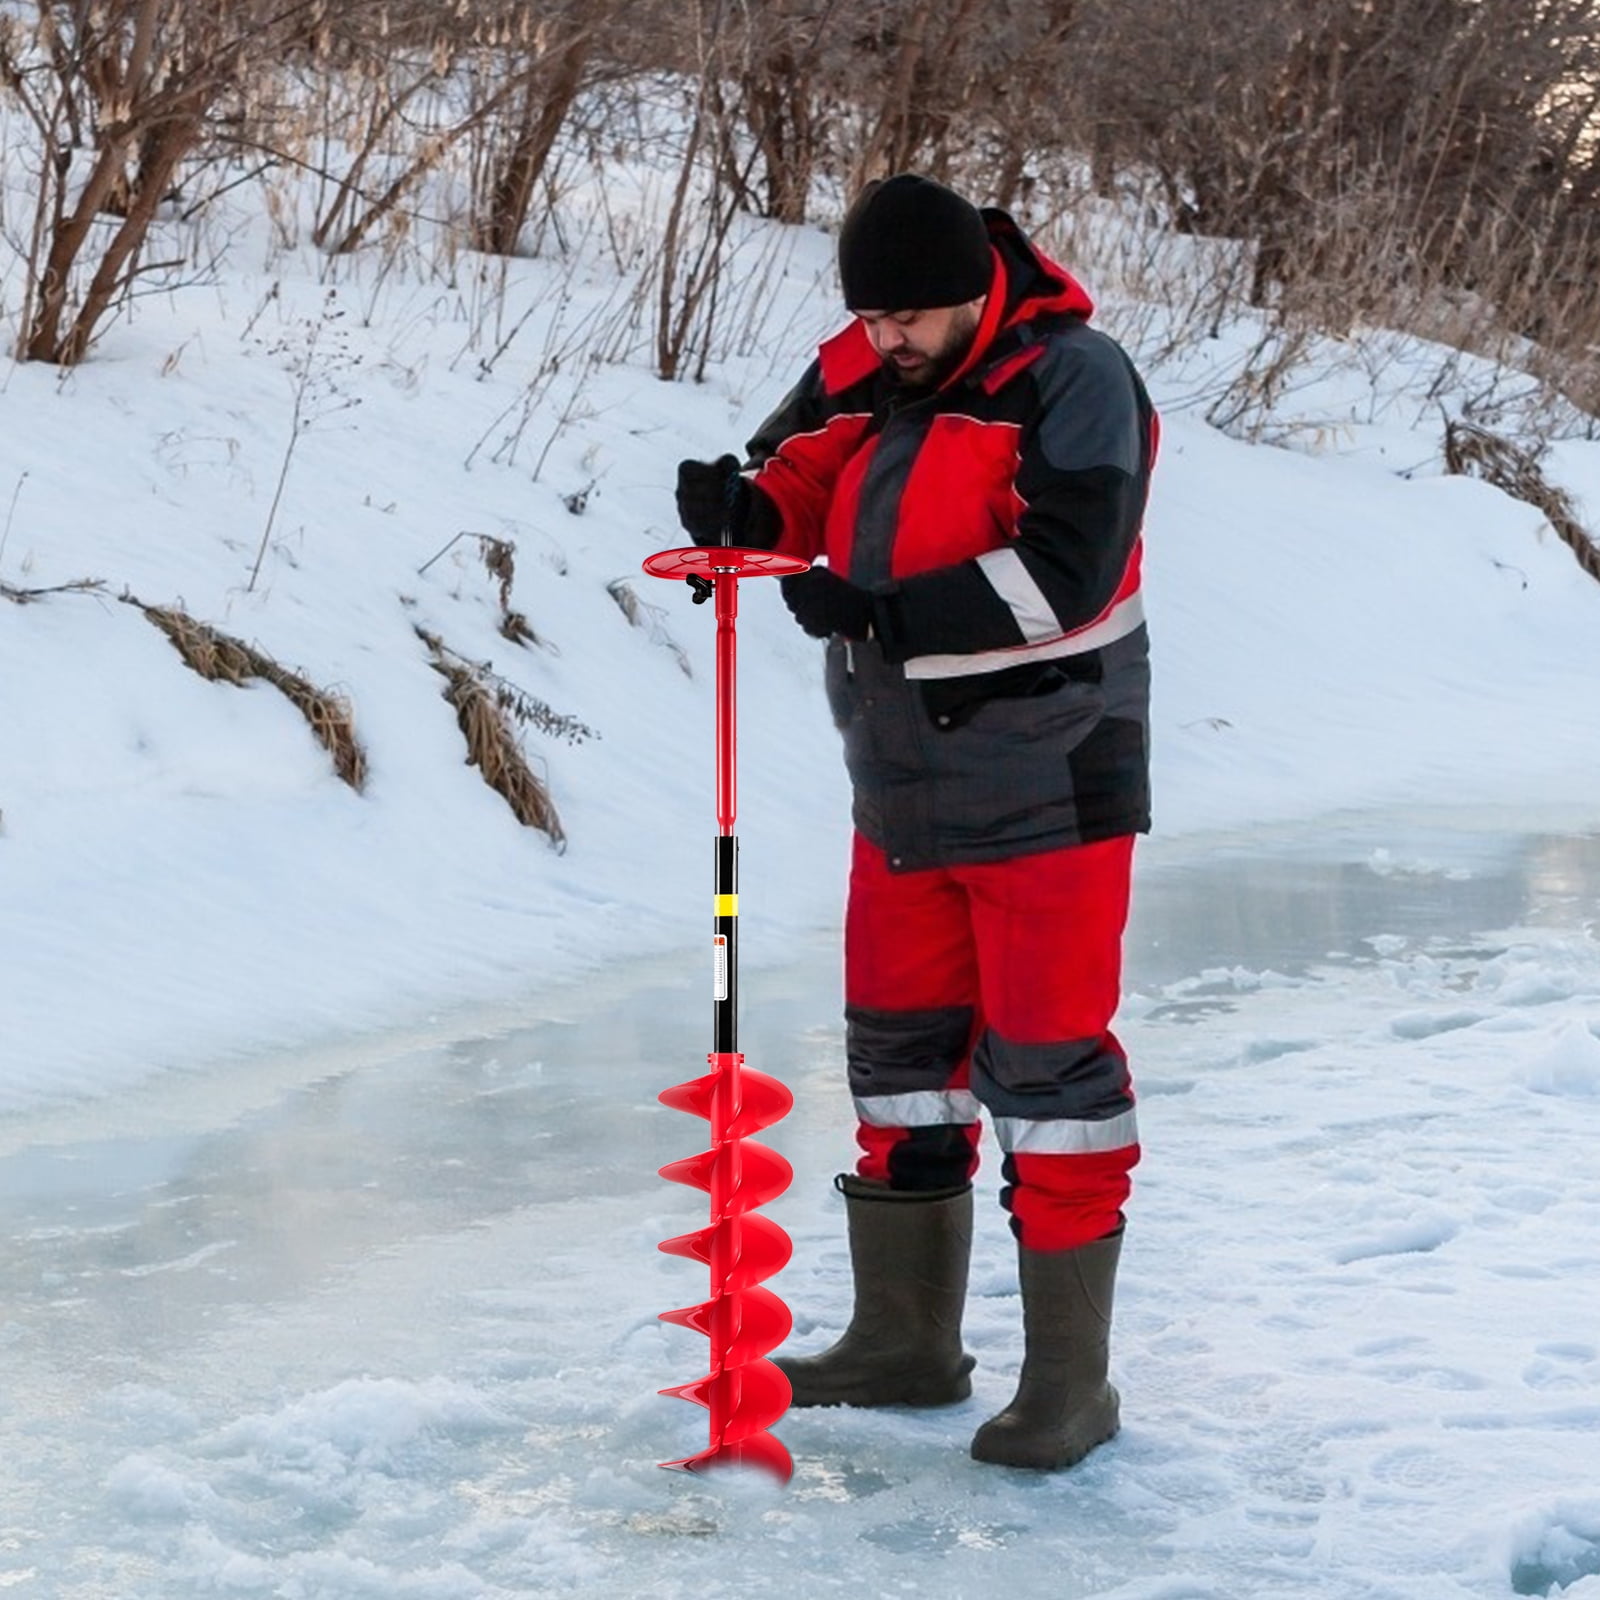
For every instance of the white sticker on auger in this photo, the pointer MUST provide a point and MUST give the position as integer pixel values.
(719, 965)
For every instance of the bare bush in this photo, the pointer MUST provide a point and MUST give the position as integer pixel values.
(1366, 150)
(958, 88)
(780, 87)
(499, 557)
(556, 65)
(120, 96)
(705, 199)
(318, 358)
(495, 79)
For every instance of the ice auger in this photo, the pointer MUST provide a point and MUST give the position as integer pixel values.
(744, 1392)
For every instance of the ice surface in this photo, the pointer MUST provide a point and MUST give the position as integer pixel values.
(391, 1330)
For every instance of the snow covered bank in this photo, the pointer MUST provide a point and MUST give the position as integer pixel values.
(182, 878)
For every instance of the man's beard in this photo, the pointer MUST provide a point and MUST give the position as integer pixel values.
(938, 364)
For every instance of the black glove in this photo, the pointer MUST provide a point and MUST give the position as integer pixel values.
(823, 603)
(713, 495)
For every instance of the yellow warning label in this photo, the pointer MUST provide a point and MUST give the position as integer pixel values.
(727, 905)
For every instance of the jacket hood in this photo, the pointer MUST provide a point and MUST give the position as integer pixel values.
(1033, 285)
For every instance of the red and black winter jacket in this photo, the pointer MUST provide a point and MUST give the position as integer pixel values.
(1006, 708)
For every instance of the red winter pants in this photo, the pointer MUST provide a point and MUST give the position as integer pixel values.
(994, 985)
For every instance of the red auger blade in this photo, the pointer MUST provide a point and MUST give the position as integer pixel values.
(762, 1323)
(697, 1319)
(763, 1176)
(761, 1451)
(696, 1246)
(692, 1170)
(762, 1396)
(746, 1399)
(693, 1096)
(764, 1250)
(699, 1392)
(762, 1101)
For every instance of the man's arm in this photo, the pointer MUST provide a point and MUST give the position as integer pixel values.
(798, 453)
(1083, 477)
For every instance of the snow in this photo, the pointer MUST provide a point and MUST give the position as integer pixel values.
(327, 1122)
(1570, 1065)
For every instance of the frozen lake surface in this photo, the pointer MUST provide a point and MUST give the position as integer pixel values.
(384, 1325)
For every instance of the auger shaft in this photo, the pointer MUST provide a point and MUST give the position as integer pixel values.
(744, 1393)
(727, 588)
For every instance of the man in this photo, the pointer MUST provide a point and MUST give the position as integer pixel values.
(971, 460)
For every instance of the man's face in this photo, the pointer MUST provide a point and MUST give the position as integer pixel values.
(922, 348)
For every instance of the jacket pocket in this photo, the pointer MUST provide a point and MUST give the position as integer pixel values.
(953, 702)
(1037, 730)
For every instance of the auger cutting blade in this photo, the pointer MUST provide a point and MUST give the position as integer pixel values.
(761, 1451)
(742, 1399)
(764, 1101)
(762, 1322)
(759, 1395)
(764, 1249)
(762, 1176)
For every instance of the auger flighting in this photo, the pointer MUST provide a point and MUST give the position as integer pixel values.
(743, 1392)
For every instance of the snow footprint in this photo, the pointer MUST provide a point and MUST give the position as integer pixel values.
(1286, 1490)
(1407, 1361)
(1414, 1471)
(1561, 1366)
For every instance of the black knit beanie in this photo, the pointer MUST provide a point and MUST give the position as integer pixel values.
(909, 243)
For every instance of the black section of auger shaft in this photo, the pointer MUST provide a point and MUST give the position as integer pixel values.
(725, 1018)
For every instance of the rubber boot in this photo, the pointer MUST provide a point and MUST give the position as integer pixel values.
(909, 1255)
(1063, 1406)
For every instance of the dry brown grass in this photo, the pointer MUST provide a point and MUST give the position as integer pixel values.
(488, 711)
(27, 597)
(500, 560)
(223, 659)
(1475, 452)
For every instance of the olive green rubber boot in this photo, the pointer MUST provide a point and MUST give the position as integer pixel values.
(909, 1255)
(1063, 1406)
